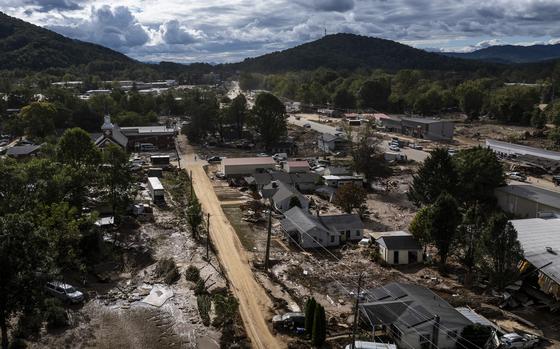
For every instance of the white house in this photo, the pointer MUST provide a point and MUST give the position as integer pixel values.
(399, 247)
(413, 316)
(284, 196)
(317, 231)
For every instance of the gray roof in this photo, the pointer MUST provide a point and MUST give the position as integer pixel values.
(298, 219)
(505, 147)
(285, 192)
(425, 120)
(21, 150)
(532, 193)
(408, 306)
(294, 179)
(341, 222)
(536, 235)
(327, 137)
(403, 242)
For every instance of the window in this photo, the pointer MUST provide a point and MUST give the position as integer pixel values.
(332, 239)
(357, 233)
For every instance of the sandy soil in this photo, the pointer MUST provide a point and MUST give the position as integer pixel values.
(254, 304)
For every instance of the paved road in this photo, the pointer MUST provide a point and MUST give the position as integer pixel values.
(412, 154)
(254, 304)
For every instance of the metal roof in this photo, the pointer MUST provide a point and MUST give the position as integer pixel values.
(425, 120)
(540, 240)
(510, 148)
(298, 218)
(533, 193)
(269, 161)
(155, 183)
(20, 150)
(408, 306)
(400, 242)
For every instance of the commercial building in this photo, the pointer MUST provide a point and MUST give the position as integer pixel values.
(239, 167)
(317, 231)
(399, 247)
(527, 201)
(425, 128)
(413, 316)
(509, 149)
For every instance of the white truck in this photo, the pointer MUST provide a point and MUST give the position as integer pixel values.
(156, 189)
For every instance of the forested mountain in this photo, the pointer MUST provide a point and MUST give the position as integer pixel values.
(349, 51)
(512, 54)
(29, 47)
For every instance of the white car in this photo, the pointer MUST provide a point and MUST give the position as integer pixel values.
(394, 147)
(517, 176)
(262, 155)
(64, 292)
(521, 341)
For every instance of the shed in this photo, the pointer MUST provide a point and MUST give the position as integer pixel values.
(399, 248)
(296, 166)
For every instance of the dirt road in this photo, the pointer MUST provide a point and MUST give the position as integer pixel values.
(254, 304)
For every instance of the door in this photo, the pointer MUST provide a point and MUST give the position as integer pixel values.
(395, 257)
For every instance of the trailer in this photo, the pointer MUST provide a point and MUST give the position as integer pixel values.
(156, 189)
(160, 161)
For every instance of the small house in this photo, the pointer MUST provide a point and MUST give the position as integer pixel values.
(284, 196)
(331, 143)
(296, 167)
(23, 151)
(316, 231)
(413, 316)
(399, 248)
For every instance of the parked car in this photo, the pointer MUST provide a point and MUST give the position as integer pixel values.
(451, 152)
(521, 341)
(288, 321)
(517, 176)
(214, 160)
(394, 147)
(64, 292)
(415, 146)
(280, 156)
(307, 125)
(339, 128)
(262, 155)
(220, 175)
(556, 180)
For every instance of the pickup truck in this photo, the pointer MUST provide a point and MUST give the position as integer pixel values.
(518, 341)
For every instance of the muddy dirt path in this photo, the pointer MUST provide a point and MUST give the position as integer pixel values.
(254, 304)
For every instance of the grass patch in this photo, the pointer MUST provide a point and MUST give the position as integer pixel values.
(242, 228)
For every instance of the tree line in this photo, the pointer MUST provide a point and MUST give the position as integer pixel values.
(45, 231)
(458, 213)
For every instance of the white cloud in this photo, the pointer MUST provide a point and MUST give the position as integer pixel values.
(230, 30)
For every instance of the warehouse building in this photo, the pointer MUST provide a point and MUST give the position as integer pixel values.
(239, 167)
(527, 201)
(425, 128)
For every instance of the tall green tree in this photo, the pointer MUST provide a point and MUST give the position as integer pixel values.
(344, 99)
(76, 148)
(480, 172)
(237, 113)
(194, 215)
(38, 118)
(420, 226)
(319, 332)
(503, 250)
(374, 94)
(24, 254)
(310, 306)
(470, 237)
(367, 158)
(269, 118)
(436, 175)
(349, 197)
(444, 220)
(471, 98)
(117, 178)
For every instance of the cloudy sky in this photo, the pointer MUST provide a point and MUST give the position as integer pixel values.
(230, 30)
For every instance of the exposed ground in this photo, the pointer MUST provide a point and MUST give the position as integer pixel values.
(254, 304)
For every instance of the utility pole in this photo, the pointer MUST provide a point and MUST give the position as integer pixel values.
(435, 332)
(267, 252)
(191, 184)
(356, 310)
(208, 238)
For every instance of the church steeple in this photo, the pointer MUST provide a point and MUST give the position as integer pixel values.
(107, 126)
